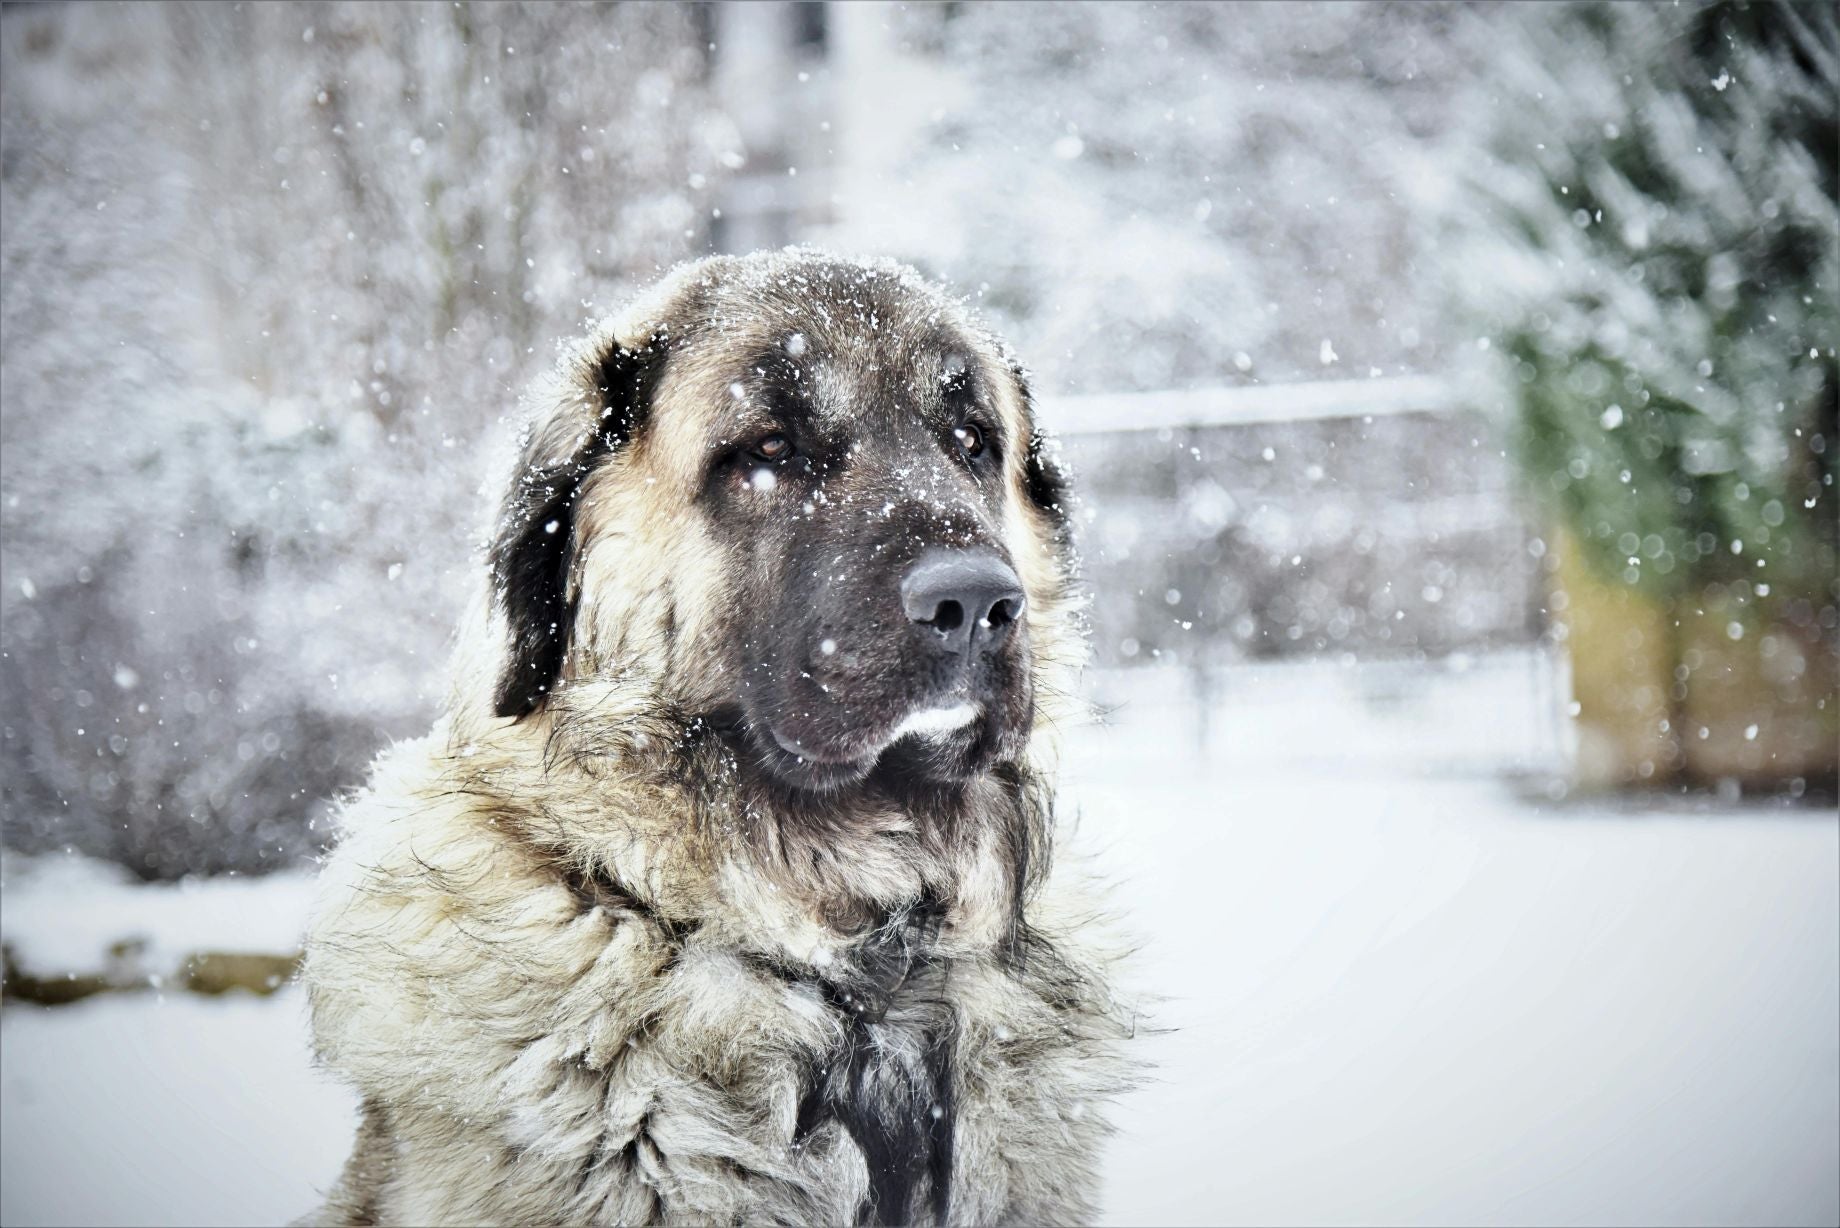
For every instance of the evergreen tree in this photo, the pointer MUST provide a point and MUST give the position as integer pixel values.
(1652, 248)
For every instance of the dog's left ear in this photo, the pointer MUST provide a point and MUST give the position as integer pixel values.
(606, 401)
(1044, 478)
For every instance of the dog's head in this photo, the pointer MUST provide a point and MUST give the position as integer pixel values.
(803, 499)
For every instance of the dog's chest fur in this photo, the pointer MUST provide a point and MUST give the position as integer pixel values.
(530, 1050)
(889, 1083)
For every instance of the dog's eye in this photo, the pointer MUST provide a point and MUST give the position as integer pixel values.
(773, 447)
(970, 439)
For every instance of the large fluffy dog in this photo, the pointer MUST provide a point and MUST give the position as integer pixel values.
(722, 894)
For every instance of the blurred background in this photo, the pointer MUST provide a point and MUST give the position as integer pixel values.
(1452, 391)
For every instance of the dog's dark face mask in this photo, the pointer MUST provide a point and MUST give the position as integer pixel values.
(882, 621)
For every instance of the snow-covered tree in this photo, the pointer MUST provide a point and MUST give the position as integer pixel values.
(1153, 196)
(273, 274)
(1650, 243)
(1653, 247)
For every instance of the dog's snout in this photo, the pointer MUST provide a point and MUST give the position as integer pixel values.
(970, 598)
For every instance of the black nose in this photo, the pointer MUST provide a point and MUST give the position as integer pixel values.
(969, 597)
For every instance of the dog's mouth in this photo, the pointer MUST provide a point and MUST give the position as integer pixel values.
(935, 721)
(941, 736)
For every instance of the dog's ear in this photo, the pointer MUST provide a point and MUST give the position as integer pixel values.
(606, 402)
(1044, 477)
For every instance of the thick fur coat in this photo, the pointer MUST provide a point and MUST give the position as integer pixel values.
(593, 951)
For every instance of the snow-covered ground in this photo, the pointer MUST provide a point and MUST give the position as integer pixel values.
(1434, 1005)
(165, 1110)
(61, 914)
(1401, 990)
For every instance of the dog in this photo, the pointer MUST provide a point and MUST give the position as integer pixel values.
(721, 892)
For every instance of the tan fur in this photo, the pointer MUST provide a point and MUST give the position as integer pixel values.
(571, 989)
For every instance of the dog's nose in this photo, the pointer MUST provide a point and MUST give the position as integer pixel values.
(970, 598)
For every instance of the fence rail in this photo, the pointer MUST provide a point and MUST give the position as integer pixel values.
(1184, 408)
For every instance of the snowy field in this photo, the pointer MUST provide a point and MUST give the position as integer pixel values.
(1402, 991)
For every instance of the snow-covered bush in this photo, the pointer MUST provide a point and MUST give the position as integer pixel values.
(1649, 245)
(271, 275)
(1651, 241)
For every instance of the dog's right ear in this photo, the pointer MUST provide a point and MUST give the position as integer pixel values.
(605, 402)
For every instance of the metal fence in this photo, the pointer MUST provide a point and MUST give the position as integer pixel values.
(1348, 546)
(1377, 518)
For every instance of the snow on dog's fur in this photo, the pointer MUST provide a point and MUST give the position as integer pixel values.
(695, 906)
